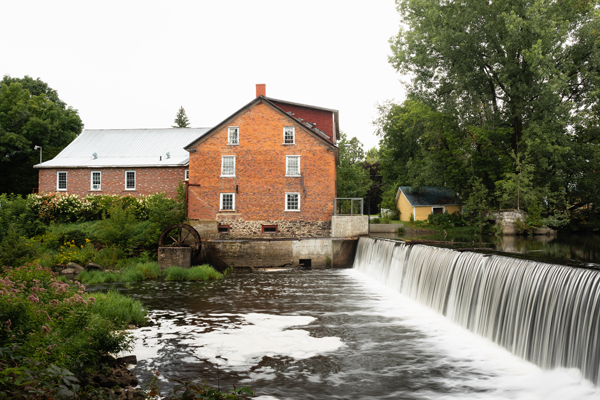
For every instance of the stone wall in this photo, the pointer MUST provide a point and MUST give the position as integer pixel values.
(238, 228)
(506, 220)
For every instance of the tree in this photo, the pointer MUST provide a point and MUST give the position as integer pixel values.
(31, 114)
(517, 76)
(352, 178)
(181, 120)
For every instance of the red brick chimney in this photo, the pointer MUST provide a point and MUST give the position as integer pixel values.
(261, 89)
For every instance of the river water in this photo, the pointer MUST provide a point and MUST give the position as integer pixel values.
(332, 334)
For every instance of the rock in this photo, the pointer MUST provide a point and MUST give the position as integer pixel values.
(75, 266)
(69, 272)
(58, 267)
(93, 267)
(127, 360)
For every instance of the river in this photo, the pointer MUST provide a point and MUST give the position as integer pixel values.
(329, 334)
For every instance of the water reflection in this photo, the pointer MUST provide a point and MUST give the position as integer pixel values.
(562, 249)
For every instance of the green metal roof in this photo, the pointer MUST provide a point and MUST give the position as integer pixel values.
(429, 196)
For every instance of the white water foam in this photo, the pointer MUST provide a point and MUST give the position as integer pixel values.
(243, 346)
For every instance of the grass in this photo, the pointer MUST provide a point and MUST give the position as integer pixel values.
(119, 309)
(199, 273)
(149, 270)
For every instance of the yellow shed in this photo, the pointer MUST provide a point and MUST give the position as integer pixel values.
(427, 200)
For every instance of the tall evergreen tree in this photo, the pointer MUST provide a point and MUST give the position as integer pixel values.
(181, 120)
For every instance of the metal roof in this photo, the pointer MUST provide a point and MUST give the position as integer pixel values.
(127, 148)
(428, 196)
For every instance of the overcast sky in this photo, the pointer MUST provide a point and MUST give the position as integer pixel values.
(132, 64)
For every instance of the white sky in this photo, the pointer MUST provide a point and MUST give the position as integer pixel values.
(132, 64)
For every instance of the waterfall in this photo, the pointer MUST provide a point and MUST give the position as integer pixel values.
(547, 314)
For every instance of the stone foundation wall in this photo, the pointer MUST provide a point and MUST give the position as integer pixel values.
(506, 219)
(253, 229)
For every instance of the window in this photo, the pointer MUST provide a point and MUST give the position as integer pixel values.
(437, 210)
(228, 201)
(288, 135)
(61, 180)
(292, 202)
(233, 135)
(187, 174)
(292, 166)
(129, 180)
(270, 229)
(96, 180)
(224, 228)
(228, 166)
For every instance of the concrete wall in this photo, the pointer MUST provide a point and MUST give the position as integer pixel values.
(349, 226)
(255, 253)
(384, 228)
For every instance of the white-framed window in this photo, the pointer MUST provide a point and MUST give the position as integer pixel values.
(438, 210)
(129, 180)
(227, 165)
(288, 135)
(292, 202)
(96, 181)
(187, 174)
(233, 135)
(228, 201)
(292, 165)
(61, 180)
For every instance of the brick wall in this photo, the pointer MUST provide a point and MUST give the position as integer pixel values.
(260, 183)
(148, 180)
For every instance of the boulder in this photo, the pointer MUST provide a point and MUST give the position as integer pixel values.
(75, 267)
(93, 267)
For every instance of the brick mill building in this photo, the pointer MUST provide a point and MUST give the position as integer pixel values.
(120, 161)
(269, 169)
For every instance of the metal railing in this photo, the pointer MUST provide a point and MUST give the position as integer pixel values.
(349, 206)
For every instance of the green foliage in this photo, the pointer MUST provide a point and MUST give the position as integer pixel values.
(401, 230)
(198, 273)
(31, 114)
(181, 119)
(446, 220)
(185, 390)
(146, 270)
(16, 249)
(57, 323)
(119, 229)
(353, 178)
(497, 97)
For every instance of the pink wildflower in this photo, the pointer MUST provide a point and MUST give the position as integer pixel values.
(34, 299)
(45, 329)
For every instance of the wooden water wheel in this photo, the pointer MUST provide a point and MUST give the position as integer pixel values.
(181, 235)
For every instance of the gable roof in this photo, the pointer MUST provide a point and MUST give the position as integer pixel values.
(126, 148)
(428, 196)
(336, 113)
(304, 124)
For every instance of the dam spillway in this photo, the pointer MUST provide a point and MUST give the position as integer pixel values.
(545, 313)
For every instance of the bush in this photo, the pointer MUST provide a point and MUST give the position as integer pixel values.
(58, 323)
(16, 249)
(446, 220)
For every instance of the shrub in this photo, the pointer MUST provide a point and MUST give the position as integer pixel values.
(16, 249)
(401, 230)
(58, 323)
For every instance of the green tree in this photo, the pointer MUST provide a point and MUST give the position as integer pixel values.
(31, 114)
(352, 178)
(517, 76)
(181, 119)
